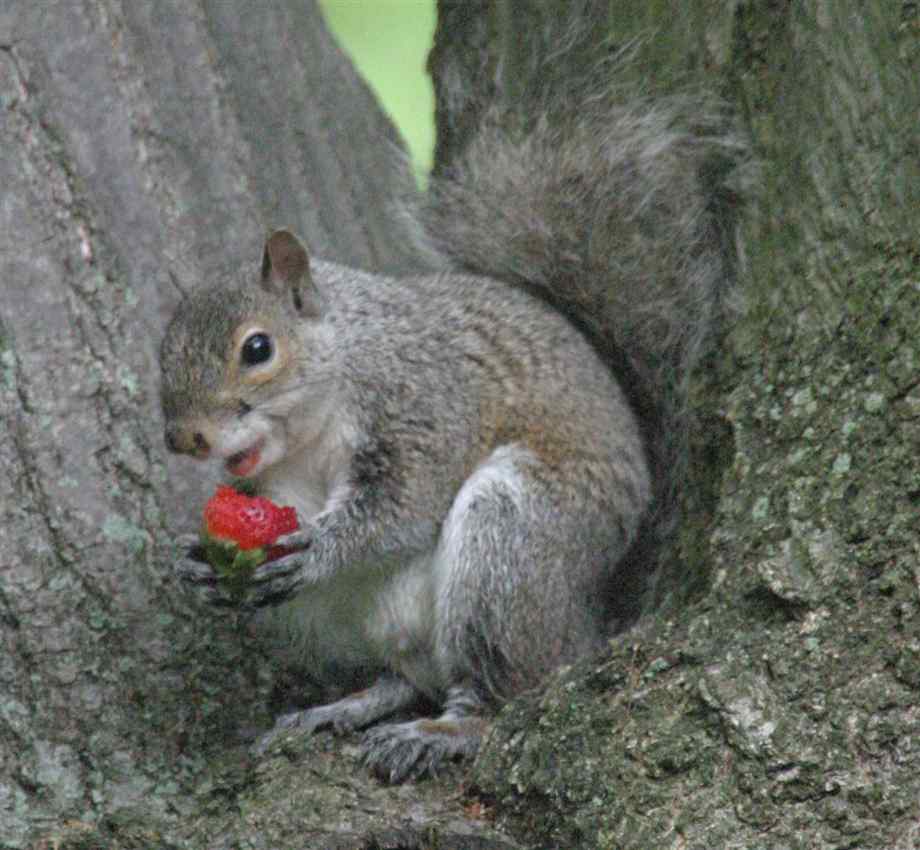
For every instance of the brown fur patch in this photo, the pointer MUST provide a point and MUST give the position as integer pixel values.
(454, 728)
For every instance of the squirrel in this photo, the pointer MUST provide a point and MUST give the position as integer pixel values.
(473, 453)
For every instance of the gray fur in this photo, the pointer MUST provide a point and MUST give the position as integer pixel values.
(467, 466)
(623, 215)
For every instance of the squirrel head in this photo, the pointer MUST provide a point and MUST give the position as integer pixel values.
(237, 359)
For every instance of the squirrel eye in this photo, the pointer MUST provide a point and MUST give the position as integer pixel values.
(256, 349)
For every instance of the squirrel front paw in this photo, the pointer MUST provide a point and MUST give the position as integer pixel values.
(272, 583)
(198, 577)
(277, 580)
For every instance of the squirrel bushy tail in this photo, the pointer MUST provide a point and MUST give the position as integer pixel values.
(616, 208)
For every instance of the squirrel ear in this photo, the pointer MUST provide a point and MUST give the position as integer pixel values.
(286, 270)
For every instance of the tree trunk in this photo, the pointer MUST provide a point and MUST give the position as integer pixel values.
(772, 704)
(776, 705)
(142, 144)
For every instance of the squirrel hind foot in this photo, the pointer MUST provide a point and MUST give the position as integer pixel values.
(397, 752)
(388, 695)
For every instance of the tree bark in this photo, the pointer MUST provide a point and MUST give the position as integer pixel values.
(770, 702)
(776, 705)
(145, 146)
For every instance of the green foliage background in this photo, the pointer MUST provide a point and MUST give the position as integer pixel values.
(388, 41)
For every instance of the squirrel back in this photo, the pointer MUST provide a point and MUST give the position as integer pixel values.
(620, 211)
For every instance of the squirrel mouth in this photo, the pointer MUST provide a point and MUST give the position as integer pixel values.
(243, 463)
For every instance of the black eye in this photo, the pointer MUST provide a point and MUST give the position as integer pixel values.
(256, 349)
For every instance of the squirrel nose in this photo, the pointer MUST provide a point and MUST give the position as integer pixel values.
(183, 441)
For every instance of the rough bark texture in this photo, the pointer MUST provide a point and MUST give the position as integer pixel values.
(778, 708)
(771, 702)
(141, 143)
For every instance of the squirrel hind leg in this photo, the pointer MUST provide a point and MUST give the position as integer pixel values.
(521, 555)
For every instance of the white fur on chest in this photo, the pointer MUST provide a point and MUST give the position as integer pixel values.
(378, 613)
(313, 479)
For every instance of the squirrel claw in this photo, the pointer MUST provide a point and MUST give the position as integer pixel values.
(194, 571)
(279, 568)
(189, 562)
(196, 574)
(200, 580)
(274, 592)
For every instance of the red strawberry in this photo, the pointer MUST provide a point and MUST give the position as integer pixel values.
(237, 528)
(249, 521)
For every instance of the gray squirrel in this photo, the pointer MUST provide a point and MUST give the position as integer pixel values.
(474, 453)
